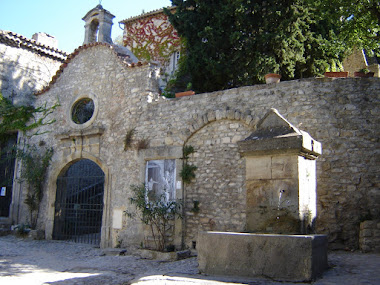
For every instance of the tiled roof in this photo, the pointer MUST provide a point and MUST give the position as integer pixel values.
(15, 40)
(145, 15)
(124, 58)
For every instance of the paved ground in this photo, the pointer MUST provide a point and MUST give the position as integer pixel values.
(33, 262)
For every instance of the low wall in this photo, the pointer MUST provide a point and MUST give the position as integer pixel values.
(280, 257)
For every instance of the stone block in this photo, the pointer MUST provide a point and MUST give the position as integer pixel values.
(258, 167)
(284, 166)
(163, 256)
(376, 233)
(366, 233)
(367, 224)
(294, 258)
(36, 234)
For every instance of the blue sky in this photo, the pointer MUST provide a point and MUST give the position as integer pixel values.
(63, 18)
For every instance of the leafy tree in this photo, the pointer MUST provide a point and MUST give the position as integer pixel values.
(360, 22)
(232, 43)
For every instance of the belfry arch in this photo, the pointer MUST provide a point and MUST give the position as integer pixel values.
(98, 26)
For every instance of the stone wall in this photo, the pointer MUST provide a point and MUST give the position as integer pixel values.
(23, 72)
(342, 114)
(219, 186)
(369, 240)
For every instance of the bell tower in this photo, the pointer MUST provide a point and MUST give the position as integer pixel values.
(98, 25)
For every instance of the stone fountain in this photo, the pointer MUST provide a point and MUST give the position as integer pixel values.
(280, 242)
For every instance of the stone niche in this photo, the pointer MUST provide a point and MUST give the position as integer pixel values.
(280, 177)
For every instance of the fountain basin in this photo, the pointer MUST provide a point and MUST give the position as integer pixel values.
(294, 258)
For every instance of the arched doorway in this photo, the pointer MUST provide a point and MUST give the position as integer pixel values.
(79, 203)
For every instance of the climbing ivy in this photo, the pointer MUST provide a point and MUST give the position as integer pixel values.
(35, 165)
(152, 38)
(188, 171)
(22, 118)
(35, 161)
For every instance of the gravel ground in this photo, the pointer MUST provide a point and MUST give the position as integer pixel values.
(24, 261)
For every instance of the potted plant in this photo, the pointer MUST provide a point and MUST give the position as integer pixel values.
(272, 78)
(271, 69)
(336, 74)
(364, 72)
(185, 93)
(188, 91)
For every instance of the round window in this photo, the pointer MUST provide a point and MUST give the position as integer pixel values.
(82, 111)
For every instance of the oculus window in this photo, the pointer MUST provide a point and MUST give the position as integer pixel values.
(82, 111)
(160, 180)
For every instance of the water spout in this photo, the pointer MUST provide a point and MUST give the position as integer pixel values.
(279, 198)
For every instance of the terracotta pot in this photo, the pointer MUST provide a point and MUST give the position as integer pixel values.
(364, 75)
(272, 78)
(336, 74)
(185, 93)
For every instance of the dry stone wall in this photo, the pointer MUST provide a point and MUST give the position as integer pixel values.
(343, 114)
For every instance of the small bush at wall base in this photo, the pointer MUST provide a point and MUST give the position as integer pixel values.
(158, 214)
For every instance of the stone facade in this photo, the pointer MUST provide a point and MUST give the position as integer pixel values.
(342, 114)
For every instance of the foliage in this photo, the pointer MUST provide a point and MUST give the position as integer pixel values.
(187, 150)
(142, 144)
(235, 43)
(22, 118)
(35, 165)
(151, 38)
(360, 22)
(129, 138)
(156, 213)
(188, 171)
(22, 229)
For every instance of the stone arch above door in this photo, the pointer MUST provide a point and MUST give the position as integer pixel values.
(58, 169)
(201, 120)
(218, 190)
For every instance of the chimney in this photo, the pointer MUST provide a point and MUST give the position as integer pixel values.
(45, 39)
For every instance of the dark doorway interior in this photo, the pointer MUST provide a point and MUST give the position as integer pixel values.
(7, 166)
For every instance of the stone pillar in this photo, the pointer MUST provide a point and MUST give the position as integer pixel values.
(280, 177)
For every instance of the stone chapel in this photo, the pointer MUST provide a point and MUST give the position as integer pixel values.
(113, 130)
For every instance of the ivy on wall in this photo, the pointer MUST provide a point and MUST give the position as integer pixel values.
(22, 118)
(152, 38)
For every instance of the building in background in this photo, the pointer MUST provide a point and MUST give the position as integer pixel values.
(151, 37)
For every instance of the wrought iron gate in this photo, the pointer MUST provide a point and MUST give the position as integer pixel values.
(79, 203)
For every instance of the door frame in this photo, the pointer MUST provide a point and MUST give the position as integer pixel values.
(58, 169)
